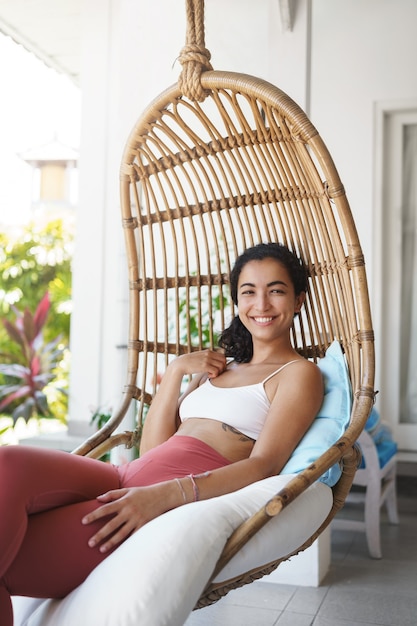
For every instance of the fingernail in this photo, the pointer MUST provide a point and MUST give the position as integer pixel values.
(91, 543)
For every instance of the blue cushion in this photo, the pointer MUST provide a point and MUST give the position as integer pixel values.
(372, 422)
(385, 451)
(381, 434)
(332, 419)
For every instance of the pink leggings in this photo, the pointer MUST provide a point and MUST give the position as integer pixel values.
(45, 493)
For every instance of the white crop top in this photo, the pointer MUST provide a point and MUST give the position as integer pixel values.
(244, 408)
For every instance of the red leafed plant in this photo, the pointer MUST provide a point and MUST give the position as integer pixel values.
(23, 393)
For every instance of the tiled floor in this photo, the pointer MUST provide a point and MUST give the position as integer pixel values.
(358, 590)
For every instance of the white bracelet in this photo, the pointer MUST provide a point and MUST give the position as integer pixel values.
(177, 480)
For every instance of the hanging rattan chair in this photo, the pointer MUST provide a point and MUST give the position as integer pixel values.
(215, 164)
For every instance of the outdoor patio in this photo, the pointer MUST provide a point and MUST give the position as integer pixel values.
(358, 590)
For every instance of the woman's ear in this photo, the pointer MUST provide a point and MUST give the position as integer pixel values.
(299, 301)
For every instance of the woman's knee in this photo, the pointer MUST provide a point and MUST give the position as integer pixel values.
(18, 464)
(11, 460)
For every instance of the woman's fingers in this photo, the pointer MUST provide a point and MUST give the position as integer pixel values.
(210, 361)
(104, 532)
(117, 537)
(111, 496)
(104, 510)
(213, 362)
(112, 533)
(121, 506)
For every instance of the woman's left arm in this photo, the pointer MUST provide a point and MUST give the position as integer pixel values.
(294, 406)
(296, 402)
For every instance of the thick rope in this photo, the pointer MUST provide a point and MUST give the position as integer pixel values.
(194, 57)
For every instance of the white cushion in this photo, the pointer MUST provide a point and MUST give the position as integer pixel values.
(332, 419)
(156, 577)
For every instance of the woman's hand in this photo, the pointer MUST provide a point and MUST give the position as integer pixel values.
(128, 509)
(208, 362)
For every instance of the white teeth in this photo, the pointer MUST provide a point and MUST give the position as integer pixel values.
(262, 320)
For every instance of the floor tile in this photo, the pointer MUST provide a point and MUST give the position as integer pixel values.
(324, 621)
(359, 605)
(261, 594)
(233, 615)
(307, 600)
(288, 618)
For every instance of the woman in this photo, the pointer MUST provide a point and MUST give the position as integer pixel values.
(237, 423)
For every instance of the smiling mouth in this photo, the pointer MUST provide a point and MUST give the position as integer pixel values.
(262, 320)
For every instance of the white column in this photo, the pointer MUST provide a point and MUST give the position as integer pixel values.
(128, 57)
(306, 569)
(88, 276)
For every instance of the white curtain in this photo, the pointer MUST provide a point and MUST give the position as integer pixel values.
(409, 280)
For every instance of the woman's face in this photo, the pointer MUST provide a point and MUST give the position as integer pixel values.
(266, 299)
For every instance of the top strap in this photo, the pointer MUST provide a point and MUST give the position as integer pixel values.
(278, 370)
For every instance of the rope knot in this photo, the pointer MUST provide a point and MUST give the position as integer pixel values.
(194, 57)
(194, 60)
(197, 54)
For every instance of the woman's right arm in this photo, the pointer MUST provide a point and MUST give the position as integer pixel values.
(162, 419)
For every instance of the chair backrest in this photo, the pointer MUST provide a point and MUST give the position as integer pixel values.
(200, 182)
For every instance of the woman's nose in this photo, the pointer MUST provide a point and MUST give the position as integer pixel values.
(262, 302)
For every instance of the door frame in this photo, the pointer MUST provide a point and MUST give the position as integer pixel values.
(390, 119)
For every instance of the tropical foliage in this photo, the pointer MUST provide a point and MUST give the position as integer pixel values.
(24, 393)
(33, 261)
(35, 306)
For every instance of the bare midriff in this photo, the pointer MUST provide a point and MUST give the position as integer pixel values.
(226, 440)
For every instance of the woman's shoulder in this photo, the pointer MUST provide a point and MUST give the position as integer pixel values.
(309, 367)
(302, 371)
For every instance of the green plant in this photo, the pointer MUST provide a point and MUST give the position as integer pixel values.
(24, 392)
(100, 417)
(189, 312)
(33, 260)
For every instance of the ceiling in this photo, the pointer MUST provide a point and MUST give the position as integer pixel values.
(51, 29)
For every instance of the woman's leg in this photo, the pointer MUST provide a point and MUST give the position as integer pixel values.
(43, 496)
(58, 489)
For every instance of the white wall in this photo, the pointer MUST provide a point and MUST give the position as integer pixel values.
(363, 52)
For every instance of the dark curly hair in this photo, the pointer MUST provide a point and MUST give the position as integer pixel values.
(236, 340)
